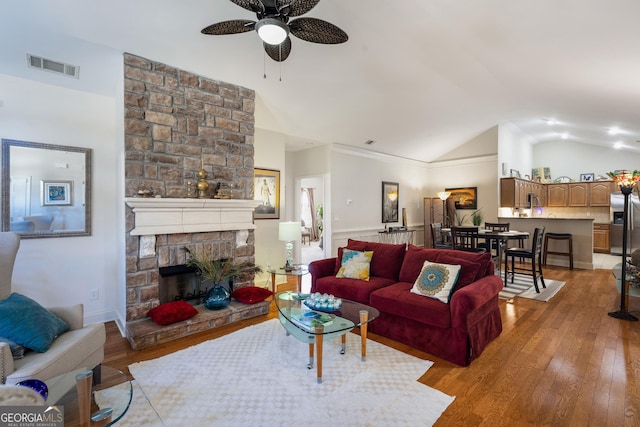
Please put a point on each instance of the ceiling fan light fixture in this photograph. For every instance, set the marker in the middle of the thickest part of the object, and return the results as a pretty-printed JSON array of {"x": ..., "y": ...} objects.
[{"x": 272, "y": 31}]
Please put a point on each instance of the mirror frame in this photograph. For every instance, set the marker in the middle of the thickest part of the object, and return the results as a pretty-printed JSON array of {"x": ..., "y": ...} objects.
[{"x": 6, "y": 179}]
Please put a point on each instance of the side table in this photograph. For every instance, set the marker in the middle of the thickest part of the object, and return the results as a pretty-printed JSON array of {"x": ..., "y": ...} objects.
[{"x": 297, "y": 272}]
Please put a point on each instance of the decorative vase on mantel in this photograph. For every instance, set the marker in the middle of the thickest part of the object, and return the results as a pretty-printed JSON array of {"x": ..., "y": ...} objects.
[{"x": 217, "y": 297}]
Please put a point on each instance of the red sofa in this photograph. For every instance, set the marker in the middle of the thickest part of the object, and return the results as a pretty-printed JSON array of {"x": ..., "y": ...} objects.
[{"x": 458, "y": 331}]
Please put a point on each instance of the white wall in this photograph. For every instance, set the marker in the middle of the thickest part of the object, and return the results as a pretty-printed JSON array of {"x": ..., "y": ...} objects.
[
  {"x": 59, "y": 271},
  {"x": 566, "y": 158},
  {"x": 269, "y": 154},
  {"x": 356, "y": 193},
  {"x": 514, "y": 150}
]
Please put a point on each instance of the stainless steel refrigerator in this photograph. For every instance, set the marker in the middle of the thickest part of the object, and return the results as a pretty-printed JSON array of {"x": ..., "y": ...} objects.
[{"x": 633, "y": 223}]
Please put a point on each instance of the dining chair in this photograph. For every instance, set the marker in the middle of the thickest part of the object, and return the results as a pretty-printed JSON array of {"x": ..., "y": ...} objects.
[
  {"x": 534, "y": 254},
  {"x": 495, "y": 226},
  {"x": 465, "y": 239},
  {"x": 437, "y": 237}
]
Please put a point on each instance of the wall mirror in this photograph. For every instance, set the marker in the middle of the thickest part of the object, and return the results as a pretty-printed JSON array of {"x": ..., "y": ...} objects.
[{"x": 46, "y": 189}]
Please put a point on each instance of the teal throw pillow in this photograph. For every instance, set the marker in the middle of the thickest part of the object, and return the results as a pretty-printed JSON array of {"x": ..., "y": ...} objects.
[
  {"x": 24, "y": 321},
  {"x": 436, "y": 280}
]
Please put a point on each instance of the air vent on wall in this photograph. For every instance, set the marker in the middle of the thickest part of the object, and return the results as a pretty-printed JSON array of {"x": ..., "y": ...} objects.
[{"x": 53, "y": 66}]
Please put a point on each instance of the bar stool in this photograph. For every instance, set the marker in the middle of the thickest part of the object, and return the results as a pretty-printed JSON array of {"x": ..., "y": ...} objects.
[{"x": 558, "y": 236}]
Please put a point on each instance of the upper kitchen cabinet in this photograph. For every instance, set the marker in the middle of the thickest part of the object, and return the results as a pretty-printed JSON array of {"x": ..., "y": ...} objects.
[
  {"x": 600, "y": 191},
  {"x": 557, "y": 195},
  {"x": 578, "y": 194},
  {"x": 515, "y": 193}
]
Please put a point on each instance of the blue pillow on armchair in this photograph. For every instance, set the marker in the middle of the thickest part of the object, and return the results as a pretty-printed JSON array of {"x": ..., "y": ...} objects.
[{"x": 26, "y": 322}]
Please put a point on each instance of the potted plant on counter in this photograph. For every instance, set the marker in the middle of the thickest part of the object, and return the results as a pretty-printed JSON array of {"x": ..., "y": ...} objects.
[{"x": 217, "y": 272}]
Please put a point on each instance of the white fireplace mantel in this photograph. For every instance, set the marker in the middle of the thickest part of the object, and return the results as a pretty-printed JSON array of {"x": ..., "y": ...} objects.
[{"x": 155, "y": 216}]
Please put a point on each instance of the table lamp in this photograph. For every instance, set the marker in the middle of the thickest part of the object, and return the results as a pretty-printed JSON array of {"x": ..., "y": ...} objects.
[
  {"x": 289, "y": 232},
  {"x": 444, "y": 195}
]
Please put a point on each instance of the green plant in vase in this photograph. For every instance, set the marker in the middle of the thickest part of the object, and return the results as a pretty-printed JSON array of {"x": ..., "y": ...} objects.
[
  {"x": 217, "y": 271},
  {"x": 477, "y": 217}
]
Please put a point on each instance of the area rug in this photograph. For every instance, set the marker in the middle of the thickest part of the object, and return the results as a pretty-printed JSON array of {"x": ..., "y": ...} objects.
[
  {"x": 522, "y": 287},
  {"x": 257, "y": 376}
]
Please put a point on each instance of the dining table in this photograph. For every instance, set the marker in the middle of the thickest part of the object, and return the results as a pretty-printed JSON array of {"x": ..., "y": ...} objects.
[{"x": 500, "y": 237}]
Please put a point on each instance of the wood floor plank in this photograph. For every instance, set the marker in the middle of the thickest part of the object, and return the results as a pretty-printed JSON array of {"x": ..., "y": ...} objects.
[{"x": 559, "y": 363}]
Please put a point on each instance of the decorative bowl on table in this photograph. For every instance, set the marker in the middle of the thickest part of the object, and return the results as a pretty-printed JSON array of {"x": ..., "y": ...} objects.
[{"x": 323, "y": 302}]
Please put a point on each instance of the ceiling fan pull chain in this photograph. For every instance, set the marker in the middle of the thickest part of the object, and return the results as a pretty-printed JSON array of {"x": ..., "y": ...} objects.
[
  {"x": 264, "y": 64},
  {"x": 280, "y": 62}
]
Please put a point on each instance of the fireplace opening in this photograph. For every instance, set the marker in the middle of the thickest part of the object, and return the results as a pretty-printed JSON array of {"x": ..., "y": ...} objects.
[{"x": 183, "y": 283}]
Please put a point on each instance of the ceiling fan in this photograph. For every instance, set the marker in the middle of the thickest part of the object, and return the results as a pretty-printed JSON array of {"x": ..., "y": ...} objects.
[{"x": 273, "y": 25}]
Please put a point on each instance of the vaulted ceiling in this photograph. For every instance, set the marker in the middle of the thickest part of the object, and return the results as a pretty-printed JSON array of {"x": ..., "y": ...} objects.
[{"x": 418, "y": 77}]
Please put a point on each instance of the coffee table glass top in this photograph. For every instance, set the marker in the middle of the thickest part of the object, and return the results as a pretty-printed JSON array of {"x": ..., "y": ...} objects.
[
  {"x": 346, "y": 318},
  {"x": 298, "y": 270}
]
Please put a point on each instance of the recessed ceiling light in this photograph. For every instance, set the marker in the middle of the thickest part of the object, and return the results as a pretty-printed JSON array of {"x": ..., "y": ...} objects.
[{"x": 613, "y": 131}]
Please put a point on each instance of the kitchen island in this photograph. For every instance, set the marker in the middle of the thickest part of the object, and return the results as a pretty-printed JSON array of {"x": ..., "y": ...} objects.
[{"x": 581, "y": 228}]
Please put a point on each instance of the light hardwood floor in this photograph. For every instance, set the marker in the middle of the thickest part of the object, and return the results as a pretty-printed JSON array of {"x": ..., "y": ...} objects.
[{"x": 560, "y": 363}]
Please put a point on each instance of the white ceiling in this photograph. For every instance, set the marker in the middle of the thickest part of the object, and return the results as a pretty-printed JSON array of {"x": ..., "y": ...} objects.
[{"x": 419, "y": 77}]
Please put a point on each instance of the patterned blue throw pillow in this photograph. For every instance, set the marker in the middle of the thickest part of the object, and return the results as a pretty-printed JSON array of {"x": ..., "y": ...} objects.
[{"x": 436, "y": 280}]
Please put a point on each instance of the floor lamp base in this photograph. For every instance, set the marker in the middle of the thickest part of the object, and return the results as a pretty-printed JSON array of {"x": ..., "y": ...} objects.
[{"x": 623, "y": 315}]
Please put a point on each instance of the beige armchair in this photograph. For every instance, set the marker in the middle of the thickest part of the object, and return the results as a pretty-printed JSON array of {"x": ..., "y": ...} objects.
[{"x": 80, "y": 347}]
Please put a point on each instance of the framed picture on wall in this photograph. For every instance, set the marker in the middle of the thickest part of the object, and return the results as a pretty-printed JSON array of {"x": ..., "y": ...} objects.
[
  {"x": 57, "y": 193},
  {"x": 465, "y": 197},
  {"x": 266, "y": 190},
  {"x": 390, "y": 201}
]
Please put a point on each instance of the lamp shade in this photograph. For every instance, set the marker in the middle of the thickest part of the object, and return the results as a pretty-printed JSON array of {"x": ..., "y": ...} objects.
[
  {"x": 444, "y": 195},
  {"x": 289, "y": 231},
  {"x": 272, "y": 31}
]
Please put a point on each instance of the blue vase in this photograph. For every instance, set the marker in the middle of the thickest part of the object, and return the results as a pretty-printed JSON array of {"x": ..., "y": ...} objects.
[
  {"x": 216, "y": 298},
  {"x": 36, "y": 385}
]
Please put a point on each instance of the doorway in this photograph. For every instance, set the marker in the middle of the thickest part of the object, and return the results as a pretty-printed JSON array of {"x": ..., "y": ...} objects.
[{"x": 311, "y": 216}]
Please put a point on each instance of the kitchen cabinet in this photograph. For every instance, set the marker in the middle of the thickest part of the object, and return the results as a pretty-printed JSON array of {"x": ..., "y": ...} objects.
[
  {"x": 601, "y": 238},
  {"x": 600, "y": 191},
  {"x": 578, "y": 194},
  {"x": 514, "y": 192},
  {"x": 557, "y": 195}
]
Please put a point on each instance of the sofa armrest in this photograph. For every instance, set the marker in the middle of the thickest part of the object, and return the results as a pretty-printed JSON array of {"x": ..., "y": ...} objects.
[
  {"x": 321, "y": 268},
  {"x": 6, "y": 362},
  {"x": 72, "y": 314},
  {"x": 472, "y": 297}
]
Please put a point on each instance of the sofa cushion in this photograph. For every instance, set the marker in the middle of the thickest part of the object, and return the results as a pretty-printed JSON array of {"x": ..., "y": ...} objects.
[
  {"x": 473, "y": 265},
  {"x": 251, "y": 294},
  {"x": 172, "y": 312},
  {"x": 397, "y": 299},
  {"x": 414, "y": 260},
  {"x": 482, "y": 260},
  {"x": 436, "y": 280},
  {"x": 387, "y": 258},
  {"x": 355, "y": 264},
  {"x": 352, "y": 289},
  {"x": 26, "y": 322}
]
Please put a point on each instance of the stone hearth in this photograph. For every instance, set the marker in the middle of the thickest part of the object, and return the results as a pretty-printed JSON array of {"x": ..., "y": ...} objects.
[{"x": 161, "y": 228}]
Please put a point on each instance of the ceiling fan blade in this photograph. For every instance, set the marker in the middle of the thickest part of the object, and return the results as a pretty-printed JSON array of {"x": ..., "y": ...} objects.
[
  {"x": 295, "y": 7},
  {"x": 230, "y": 27},
  {"x": 278, "y": 52},
  {"x": 252, "y": 5},
  {"x": 317, "y": 31}
]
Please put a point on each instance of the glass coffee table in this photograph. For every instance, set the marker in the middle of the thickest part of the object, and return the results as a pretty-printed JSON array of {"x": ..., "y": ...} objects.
[
  {"x": 350, "y": 315},
  {"x": 63, "y": 391}
]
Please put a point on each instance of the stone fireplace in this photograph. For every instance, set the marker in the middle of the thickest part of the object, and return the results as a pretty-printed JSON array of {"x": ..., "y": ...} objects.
[{"x": 177, "y": 123}]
